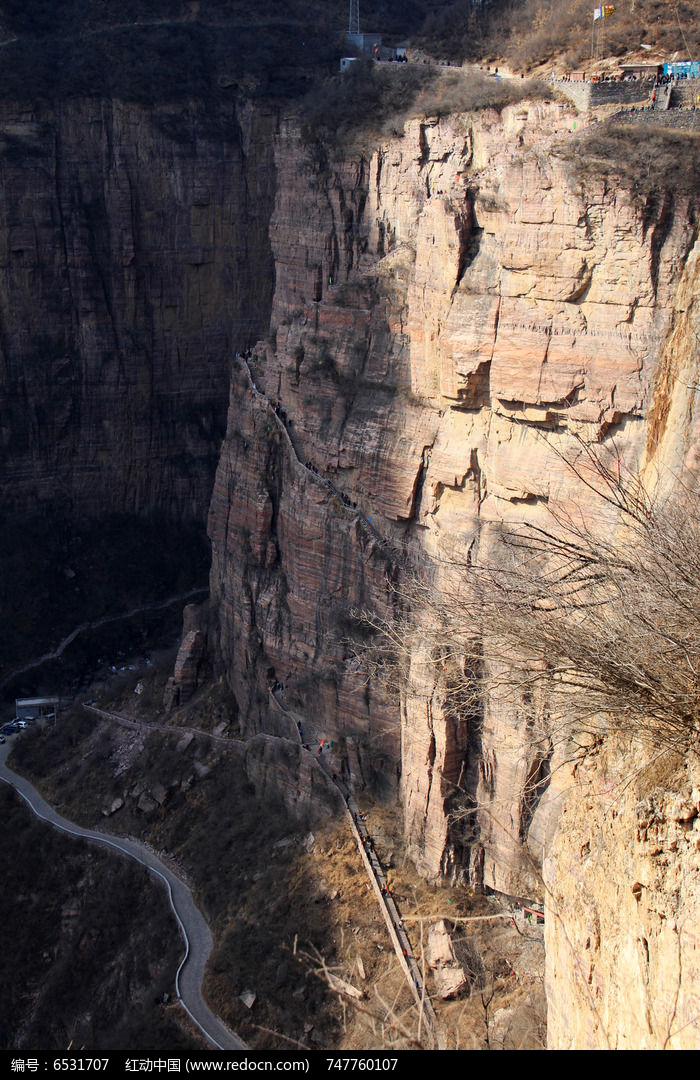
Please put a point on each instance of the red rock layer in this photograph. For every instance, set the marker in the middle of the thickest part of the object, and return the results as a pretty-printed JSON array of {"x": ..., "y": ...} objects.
[{"x": 437, "y": 308}]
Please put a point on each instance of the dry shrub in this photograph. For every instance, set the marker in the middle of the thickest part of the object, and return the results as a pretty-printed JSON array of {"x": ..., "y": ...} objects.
[
  {"x": 365, "y": 101},
  {"x": 459, "y": 92},
  {"x": 531, "y": 32},
  {"x": 372, "y": 101},
  {"x": 647, "y": 158},
  {"x": 585, "y": 623}
]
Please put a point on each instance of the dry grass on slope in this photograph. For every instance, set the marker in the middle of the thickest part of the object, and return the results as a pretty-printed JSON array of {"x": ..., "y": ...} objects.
[
  {"x": 374, "y": 101},
  {"x": 648, "y": 159},
  {"x": 527, "y": 33}
]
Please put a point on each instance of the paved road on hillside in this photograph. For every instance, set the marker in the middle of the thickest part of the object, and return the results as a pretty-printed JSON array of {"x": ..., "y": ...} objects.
[
  {"x": 397, "y": 933},
  {"x": 194, "y": 930}
]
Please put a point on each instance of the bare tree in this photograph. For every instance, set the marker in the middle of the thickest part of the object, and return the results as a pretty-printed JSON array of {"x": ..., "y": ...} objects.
[{"x": 592, "y": 622}]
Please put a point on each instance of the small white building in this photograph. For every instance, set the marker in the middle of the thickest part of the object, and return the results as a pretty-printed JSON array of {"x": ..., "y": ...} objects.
[{"x": 34, "y": 708}]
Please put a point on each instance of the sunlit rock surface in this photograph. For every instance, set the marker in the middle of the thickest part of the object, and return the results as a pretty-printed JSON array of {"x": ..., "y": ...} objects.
[{"x": 450, "y": 315}]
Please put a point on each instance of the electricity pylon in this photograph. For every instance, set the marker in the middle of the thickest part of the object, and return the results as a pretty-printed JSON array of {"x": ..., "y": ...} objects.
[{"x": 354, "y": 23}]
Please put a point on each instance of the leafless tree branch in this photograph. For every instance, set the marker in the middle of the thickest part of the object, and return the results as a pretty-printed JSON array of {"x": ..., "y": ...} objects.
[{"x": 600, "y": 622}]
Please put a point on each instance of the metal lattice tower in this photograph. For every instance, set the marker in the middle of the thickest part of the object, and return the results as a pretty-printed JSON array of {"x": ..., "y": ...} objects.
[{"x": 354, "y": 24}]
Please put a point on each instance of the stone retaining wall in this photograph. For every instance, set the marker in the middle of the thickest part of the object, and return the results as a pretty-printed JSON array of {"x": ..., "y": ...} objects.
[{"x": 587, "y": 95}]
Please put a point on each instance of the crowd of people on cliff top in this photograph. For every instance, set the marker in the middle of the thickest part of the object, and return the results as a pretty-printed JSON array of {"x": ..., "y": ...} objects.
[
  {"x": 633, "y": 76},
  {"x": 664, "y": 80}
]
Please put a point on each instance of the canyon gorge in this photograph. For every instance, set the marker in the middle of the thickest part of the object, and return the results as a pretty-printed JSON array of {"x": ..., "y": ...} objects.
[
  {"x": 437, "y": 324},
  {"x": 453, "y": 317}
]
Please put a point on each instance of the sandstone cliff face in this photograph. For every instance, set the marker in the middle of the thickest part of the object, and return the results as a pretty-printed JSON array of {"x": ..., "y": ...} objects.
[
  {"x": 621, "y": 877},
  {"x": 623, "y": 952},
  {"x": 437, "y": 308},
  {"x": 424, "y": 316},
  {"x": 133, "y": 255}
]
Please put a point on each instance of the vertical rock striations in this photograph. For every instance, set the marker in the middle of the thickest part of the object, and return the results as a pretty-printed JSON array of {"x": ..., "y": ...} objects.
[
  {"x": 438, "y": 324},
  {"x": 438, "y": 308},
  {"x": 134, "y": 253}
]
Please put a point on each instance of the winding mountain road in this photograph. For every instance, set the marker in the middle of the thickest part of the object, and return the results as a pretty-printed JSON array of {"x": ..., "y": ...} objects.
[
  {"x": 194, "y": 929},
  {"x": 375, "y": 872}
]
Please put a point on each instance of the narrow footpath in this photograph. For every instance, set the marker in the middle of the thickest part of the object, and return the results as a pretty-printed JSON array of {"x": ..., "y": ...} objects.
[
  {"x": 309, "y": 468},
  {"x": 378, "y": 880},
  {"x": 95, "y": 625},
  {"x": 392, "y": 917}
]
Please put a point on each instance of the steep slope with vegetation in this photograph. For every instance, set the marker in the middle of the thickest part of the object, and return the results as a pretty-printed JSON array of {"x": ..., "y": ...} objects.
[
  {"x": 91, "y": 948},
  {"x": 530, "y": 33}
]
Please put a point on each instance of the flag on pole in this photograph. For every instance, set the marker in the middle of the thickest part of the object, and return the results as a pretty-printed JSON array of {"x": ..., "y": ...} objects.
[{"x": 603, "y": 12}]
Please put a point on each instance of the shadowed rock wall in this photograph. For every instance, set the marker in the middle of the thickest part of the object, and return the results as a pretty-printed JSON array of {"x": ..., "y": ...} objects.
[
  {"x": 439, "y": 306},
  {"x": 134, "y": 253}
]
